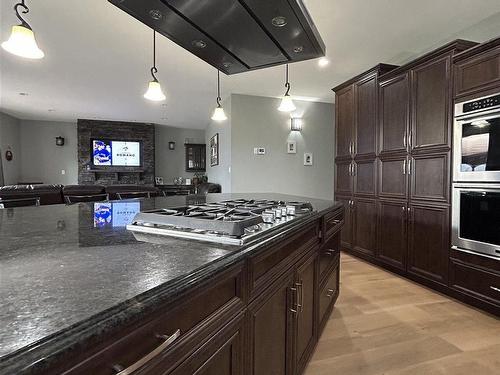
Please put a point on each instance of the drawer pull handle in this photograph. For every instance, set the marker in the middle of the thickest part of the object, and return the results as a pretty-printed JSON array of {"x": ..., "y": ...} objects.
[
  {"x": 148, "y": 357},
  {"x": 330, "y": 293},
  {"x": 300, "y": 294},
  {"x": 294, "y": 301},
  {"x": 495, "y": 289}
]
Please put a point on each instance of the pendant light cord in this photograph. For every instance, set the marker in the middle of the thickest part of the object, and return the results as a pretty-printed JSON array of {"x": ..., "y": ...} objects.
[
  {"x": 287, "y": 84},
  {"x": 218, "y": 89},
  {"x": 153, "y": 69},
  {"x": 24, "y": 11}
]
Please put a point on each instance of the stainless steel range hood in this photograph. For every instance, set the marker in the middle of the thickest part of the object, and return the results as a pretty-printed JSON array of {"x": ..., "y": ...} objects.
[{"x": 233, "y": 35}]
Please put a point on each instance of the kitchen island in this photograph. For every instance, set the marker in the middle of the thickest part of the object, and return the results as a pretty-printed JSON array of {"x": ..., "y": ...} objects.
[{"x": 80, "y": 294}]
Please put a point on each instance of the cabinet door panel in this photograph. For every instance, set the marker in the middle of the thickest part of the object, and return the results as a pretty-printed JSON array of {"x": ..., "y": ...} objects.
[
  {"x": 429, "y": 242},
  {"x": 430, "y": 177},
  {"x": 271, "y": 330},
  {"x": 344, "y": 179},
  {"x": 478, "y": 74},
  {"x": 344, "y": 121},
  {"x": 306, "y": 280},
  {"x": 364, "y": 177},
  {"x": 346, "y": 232},
  {"x": 392, "y": 238},
  {"x": 366, "y": 116},
  {"x": 393, "y": 178},
  {"x": 364, "y": 226},
  {"x": 394, "y": 112},
  {"x": 431, "y": 105}
]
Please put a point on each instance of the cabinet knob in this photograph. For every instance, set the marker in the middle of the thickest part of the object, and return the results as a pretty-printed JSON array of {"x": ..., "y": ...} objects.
[{"x": 330, "y": 293}]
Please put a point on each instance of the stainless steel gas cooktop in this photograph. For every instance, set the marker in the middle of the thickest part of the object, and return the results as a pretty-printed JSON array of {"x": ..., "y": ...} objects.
[{"x": 230, "y": 222}]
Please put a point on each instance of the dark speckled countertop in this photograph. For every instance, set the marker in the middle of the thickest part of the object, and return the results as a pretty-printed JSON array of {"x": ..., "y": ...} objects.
[{"x": 65, "y": 276}]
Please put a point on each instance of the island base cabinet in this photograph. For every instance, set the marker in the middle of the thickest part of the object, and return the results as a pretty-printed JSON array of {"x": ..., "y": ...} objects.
[
  {"x": 222, "y": 355},
  {"x": 306, "y": 322},
  {"x": 271, "y": 318},
  {"x": 328, "y": 293}
]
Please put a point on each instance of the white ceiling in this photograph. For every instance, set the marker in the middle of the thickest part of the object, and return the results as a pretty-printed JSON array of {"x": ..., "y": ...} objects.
[{"x": 98, "y": 58}]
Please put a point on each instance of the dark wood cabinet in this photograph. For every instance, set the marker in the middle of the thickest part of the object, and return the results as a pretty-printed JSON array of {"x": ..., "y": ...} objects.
[
  {"x": 306, "y": 323},
  {"x": 195, "y": 157},
  {"x": 429, "y": 241},
  {"x": 430, "y": 177},
  {"x": 328, "y": 294},
  {"x": 431, "y": 103},
  {"x": 271, "y": 329},
  {"x": 477, "y": 70},
  {"x": 344, "y": 177},
  {"x": 364, "y": 213},
  {"x": 392, "y": 233},
  {"x": 366, "y": 93},
  {"x": 223, "y": 354},
  {"x": 393, "y": 177},
  {"x": 344, "y": 116},
  {"x": 347, "y": 230},
  {"x": 364, "y": 173},
  {"x": 394, "y": 114}
]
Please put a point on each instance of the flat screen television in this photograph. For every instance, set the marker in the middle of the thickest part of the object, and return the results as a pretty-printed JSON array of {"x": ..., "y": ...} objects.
[{"x": 116, "y": 153}]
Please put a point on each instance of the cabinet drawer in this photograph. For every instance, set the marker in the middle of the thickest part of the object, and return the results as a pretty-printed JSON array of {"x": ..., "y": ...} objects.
[
  {"x": 196, "y": 316},
  {"x": 479, "y": 73},
  {"x": 272, "y": 262},
  {"x": 328, "y": 257},
  {"x": 332, "y": 224},
  {"x": 481, "y": 283},
  {"x": 328, "y": 295}
]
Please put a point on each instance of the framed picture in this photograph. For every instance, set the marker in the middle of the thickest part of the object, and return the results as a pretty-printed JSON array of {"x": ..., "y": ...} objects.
[
  {"x": 291, "y": 147},
  {"x": 214, "y": 150},
  {"x": 308, "y": 158}
]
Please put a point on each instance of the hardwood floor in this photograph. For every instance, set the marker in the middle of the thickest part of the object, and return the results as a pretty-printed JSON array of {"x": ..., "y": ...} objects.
[{"x": 384, "y": 324}]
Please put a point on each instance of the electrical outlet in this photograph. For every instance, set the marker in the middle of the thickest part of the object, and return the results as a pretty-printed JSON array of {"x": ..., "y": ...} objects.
[
  {"x": 63, "y": 171},
  {"x": 259, "y": 150}
]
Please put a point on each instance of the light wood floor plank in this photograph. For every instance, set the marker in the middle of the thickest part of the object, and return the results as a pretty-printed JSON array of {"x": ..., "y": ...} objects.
[{"x": 384, "y": 324}]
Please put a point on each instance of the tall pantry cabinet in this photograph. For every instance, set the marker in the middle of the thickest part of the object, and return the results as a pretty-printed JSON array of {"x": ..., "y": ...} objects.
[{"x": 393, "y": 134}]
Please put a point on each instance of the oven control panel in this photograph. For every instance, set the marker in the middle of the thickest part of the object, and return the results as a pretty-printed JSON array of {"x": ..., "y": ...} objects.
[{"x": 484, "y": 103}]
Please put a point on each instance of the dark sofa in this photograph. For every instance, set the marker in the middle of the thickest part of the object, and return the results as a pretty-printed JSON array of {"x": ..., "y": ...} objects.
[{"x": 48, "y": 194}]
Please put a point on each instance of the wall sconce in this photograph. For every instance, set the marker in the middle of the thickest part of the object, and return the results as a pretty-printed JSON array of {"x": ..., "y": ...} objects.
[
  {"x": 59, "y": 141},
  {"x": 171, "y": 145},
  {"x": 296, "y": 124}
]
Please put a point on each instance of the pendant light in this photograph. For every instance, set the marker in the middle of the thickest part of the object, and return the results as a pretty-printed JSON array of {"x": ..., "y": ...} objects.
[
  {"x": 287, "y": 102},
  {"x": 219, "y": 114},
  {"x": 22, "y": 39},
  {"x": 154, "y": 92}
]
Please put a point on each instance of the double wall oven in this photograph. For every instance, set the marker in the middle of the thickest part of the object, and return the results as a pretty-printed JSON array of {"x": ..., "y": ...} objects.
[{"x": 476, "y": 176}]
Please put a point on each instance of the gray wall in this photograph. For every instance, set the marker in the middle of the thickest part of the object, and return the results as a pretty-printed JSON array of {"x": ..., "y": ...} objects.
[
  {"x": 256, "y": 122},
  {"x": 221, "y": 174},
  {"x": 10, "y": 137},
  {"x": 171, "y": 163},
  {"x": 42, "y": 160}
]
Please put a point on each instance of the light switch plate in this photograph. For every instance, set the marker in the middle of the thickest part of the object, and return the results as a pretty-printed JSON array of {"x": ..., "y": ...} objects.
[{"x": 259, "y": 150}]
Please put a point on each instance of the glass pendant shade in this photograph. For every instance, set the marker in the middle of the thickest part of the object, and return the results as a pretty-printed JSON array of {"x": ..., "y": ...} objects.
[
  {"x": 22, "y": 43},
  {"x": 219, "y": 114},
  {"x": 287, "y": 104},
  {"x": 154, "y": 92}
]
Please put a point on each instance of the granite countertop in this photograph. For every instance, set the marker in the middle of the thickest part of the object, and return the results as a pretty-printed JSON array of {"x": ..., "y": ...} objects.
[{"x": 66, "y": 273}]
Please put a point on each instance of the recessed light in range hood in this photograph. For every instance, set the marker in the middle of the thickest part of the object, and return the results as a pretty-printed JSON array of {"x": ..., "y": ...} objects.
[{"x": 233, "y": 35}]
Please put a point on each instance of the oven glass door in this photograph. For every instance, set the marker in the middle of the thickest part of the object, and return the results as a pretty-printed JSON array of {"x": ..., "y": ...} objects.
[
  {"x": 480, "y": 146},
  {"x": 479, "y": 219}
]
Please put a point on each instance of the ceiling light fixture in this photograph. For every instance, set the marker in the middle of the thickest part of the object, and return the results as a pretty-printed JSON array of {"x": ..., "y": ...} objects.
[
  {"x": 287, "y": 102},
  {"x": 22, "y": 39},
  {"x": 219, "y": 114},
  {"x": 154, "y": 92},
  {"x": 322, "y": 62}
]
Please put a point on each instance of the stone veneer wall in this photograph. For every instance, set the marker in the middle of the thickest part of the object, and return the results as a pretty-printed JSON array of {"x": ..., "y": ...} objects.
[{"x": 116, "y": 130}]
